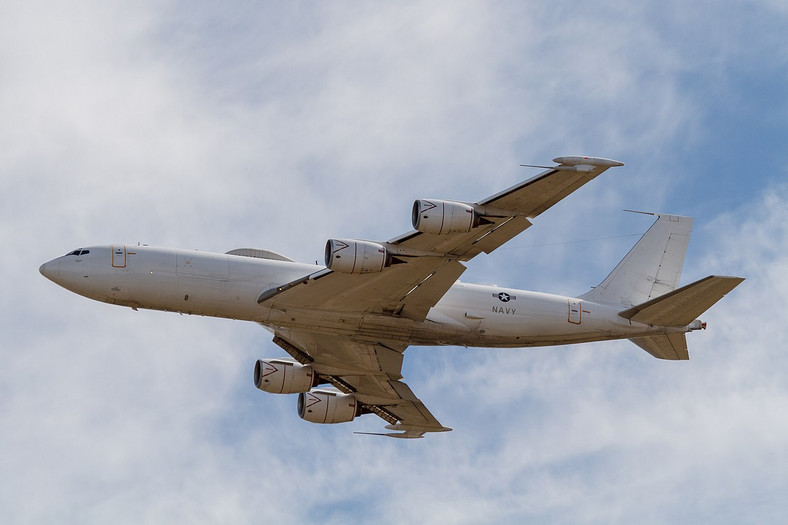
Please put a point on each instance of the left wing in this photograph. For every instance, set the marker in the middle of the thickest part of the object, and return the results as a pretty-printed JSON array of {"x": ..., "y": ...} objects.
[{"x": 370, "y": 371}]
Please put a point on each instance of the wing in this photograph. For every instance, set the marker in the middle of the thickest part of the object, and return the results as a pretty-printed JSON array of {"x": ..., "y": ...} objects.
[
  {"x": 507, "y": 212},
  {"x": 431, "y": 263},
  {"x": 370, "y": 371}
]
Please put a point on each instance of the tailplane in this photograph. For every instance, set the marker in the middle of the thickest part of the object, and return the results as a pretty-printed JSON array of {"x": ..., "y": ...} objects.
[
  {"x": 650, "y": 269},
  {"x": 666, "y": 346},
  {"x": 681, "y": 307},
  {"x": 678, "y": 309}
]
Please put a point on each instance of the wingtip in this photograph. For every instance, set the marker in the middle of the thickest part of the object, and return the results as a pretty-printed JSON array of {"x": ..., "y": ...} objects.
[
  {"x": 399, "y": 435},
  {"x": 576, "y": 160}
]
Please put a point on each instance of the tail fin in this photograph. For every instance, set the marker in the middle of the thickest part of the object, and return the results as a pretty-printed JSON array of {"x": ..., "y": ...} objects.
[{"x": 651, "y": 268}]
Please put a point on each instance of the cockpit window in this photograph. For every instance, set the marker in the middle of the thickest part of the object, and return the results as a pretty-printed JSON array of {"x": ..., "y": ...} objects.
[{"x": 78, "y": 252}]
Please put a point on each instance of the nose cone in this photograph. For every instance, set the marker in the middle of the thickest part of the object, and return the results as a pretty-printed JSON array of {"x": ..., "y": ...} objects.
[{"x": 51, "y": 270}]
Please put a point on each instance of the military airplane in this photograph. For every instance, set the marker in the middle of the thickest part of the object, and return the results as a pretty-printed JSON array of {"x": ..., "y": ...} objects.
[{"x": 346, "y": 325}]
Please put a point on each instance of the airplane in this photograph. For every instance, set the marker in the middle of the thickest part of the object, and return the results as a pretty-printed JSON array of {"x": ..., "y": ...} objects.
[{"x": 347, "y": 324}]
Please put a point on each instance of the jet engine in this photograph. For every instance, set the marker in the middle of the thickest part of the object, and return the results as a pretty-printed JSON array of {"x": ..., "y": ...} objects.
[
  {"x": 326, "y": 406},
  {"x": 349, "y": 256},
  {"x": 442, "y": 217},
  {"x": 281, "y": 376}
]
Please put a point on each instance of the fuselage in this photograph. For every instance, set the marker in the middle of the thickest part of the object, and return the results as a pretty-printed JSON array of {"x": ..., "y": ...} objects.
[{"x": 224, "y": 285}]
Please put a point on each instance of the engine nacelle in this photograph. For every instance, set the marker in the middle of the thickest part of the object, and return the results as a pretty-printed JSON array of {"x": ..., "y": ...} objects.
[
  {"x": 442, "y": 217},
  {"x": 349, "y": 256},
  {"x": 326, "y": 406},
  {"x": 281, "y": 376}
]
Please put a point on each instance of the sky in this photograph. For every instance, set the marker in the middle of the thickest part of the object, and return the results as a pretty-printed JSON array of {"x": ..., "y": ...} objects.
[{"x": 279, "y": 125}]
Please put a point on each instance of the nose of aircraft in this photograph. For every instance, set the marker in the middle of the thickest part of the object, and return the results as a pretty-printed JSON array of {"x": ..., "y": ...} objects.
[{"x": 51, "y": 269}]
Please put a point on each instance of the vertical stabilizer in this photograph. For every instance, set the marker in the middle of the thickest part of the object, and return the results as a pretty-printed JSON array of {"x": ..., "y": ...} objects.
[{"x": 651, "y": 268}]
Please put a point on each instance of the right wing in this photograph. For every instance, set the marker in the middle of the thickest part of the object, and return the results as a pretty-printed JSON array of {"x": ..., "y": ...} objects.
[{"x": 432, "y": 263}]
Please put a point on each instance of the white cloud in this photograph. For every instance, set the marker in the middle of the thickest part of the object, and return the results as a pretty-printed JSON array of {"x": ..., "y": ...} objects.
[{"x": 277, "y": 127}]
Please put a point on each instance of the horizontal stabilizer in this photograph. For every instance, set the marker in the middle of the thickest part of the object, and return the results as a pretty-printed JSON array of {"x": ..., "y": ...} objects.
[
  {"x": 667, "y": 346},
  {"x": 682, "y": 306}
]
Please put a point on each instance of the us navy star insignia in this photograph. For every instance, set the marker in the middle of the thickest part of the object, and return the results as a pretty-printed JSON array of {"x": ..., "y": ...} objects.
[{"x": 504, "y": 297}]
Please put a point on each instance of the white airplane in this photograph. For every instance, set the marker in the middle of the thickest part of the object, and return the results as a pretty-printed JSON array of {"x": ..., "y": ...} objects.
[{"x": 347, "y": 324}]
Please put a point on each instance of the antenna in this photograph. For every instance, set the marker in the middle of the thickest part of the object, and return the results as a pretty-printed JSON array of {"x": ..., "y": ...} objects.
[{"x": 537, "y": 166}]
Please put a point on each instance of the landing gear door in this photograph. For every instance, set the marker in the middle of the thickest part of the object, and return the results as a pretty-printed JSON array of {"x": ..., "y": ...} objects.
[{"x": 119, "y": 256}]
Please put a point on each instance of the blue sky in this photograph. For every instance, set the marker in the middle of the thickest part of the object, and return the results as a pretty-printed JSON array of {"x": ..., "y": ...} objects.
[{"x": 280, "y": 125}]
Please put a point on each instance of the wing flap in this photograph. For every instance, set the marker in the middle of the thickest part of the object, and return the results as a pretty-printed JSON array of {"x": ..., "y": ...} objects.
[
  {"x": 417, "y": 303},
  {"x": 398, "y": 400},
  {"x": 462, "y": 246},
  {"x": 411, "y": 412},
  {"x": 500, "y": 235}
]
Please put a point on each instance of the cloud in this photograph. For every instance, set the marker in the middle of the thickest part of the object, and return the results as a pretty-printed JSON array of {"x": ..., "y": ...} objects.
[{"x": 277, "y": 127}]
